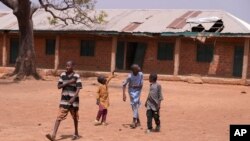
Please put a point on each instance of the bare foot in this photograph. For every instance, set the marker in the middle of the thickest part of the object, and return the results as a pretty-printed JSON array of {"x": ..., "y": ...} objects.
[
  {"x": 105, "y": 123},
  {"x": 97, "y": 123},
  {"x": 133, "y": 125},
  {"x": 75, "y": 137},
  {"x": 48, "y": 136}
]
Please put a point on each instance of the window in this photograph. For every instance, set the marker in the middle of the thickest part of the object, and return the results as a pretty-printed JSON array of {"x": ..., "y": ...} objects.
[
  {"x": 205, "y": 52},
  {"x": 87, "y": 48},
  {"x": 50, "y": 46},
  {"x": 165, "y": 51}
]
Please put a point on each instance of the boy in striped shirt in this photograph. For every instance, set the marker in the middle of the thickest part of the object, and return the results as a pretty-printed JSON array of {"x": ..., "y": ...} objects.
[{"x": 70, "y": 83}]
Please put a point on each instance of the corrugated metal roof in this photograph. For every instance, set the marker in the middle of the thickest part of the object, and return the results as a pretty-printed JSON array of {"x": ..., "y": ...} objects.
[{"x": 151, "y": 21}]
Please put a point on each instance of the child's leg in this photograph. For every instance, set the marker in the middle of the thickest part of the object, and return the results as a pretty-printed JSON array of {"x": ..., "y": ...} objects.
[
  {"x": 100, "y": 112},
  {"x": 74, "y": 113},
  {"x": 62, "y": 114},
  {"x": 57, "y": 124},
  {"x": 149, "y": 119},
  {"x": 157, "y": 118},
  {"x": 135, "y": 111},
  {"x": 104, "y": 115},
  {"x": 53, "y": 136},
  {"x": 138, "y": 122}
]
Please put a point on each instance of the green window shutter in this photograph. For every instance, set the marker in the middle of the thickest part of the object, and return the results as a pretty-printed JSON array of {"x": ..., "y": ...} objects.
[
  {"x": 165, "y": 51},
  {"x": 87, "y": 48},
  {"x": 50, "y": 47}
]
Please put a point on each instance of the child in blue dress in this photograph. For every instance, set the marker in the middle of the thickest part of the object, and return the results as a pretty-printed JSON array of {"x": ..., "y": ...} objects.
[{"x": 135, "y": 83}]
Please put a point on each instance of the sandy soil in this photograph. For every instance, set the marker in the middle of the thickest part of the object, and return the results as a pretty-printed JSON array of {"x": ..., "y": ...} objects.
[{"x": 190, "y": 112}]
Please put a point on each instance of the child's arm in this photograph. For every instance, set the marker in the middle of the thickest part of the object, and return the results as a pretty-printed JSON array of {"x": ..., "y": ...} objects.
[
  {"x": 110, "y": 77},
  {"x": 75, "y": 96},
  {"x": 98, "y": 96},
  {"x": 62, "y": 85},
  {"x": 124, "y": 92},
  {"x": 160, "y": 96},
  {"x": 78, "y": 82},
  {"x": 146, "y": 102},
  {"x": 124, "y": 87}
]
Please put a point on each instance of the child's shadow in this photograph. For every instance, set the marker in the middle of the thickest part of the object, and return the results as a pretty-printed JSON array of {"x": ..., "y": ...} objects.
[{"x": 64, "y": 137}]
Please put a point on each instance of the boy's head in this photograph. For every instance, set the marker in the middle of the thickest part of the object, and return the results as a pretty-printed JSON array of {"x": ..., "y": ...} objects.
[
  {"x": 70, "y": 66},
  {"x": 101, "y": 79},
  {"x": 135, "y": 69},
  {"x": 152, "y": 77}
]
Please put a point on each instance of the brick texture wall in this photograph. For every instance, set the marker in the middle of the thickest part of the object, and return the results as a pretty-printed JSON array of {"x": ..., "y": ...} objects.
[
  {"x": 152, "y": 64},
  {"x": 222, "y": 64},
  {"x": 43, "y": 60},
  {"x": 70, "y": 50}
]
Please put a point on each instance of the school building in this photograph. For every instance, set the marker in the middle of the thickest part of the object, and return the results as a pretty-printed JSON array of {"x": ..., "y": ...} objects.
[{"x": 175, "y": 42}]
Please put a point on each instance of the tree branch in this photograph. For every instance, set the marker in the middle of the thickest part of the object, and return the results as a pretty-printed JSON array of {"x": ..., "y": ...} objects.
[
  {"x": 70, "y": 11},
  {"x": 33, "y": 9},
  {"x": 12, "y": 4}
]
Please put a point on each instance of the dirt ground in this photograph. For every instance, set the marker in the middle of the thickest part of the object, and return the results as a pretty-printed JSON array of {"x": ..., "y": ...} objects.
[{"x": 190, "y": 112}]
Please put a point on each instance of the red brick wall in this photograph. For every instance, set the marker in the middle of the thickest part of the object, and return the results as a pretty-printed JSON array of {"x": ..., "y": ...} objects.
[
  {"x": 223, "y": 59},
  {"x": 222, "y": 64},
  {"x": 188, "y": 63},
  {"x": 70, "y": 50},
  {"x": 151, "y": 64},
  {"x": 43, "y": 60}
]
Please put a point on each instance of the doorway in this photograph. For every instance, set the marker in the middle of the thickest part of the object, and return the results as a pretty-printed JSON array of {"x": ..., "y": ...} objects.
[
  {"x": 14, "y": 49},
  {"x": 238, "y": 61},
  {"x": 129, "y": 53}
]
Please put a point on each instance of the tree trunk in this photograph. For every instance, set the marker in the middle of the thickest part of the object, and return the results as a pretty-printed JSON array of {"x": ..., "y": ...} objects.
[{"x": 25, "y": 62}]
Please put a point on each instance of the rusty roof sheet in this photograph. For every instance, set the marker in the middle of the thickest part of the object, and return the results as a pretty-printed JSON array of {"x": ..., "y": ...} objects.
[{"x": 134, "y": 21}]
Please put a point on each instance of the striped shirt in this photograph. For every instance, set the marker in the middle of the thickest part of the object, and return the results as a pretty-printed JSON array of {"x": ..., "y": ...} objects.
[{"x": 69, "y": 91}]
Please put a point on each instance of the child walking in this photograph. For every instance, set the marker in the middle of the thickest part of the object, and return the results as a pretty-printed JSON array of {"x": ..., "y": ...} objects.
[
  {"x": 102, "y": 99},
  {"x": 153, "y": 103},
  {"x": 135, "y": 83},
  {"x": 70, "y": 83}
]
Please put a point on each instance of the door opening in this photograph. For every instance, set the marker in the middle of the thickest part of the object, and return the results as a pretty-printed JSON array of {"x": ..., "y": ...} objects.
[
  {"x": 129, "y": 53},
  {"x": 14, "y": 49},
  {"x": 238, "y": 61}
]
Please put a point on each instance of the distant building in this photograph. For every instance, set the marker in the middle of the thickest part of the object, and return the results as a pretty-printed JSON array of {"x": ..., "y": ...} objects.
[{"x": 175, "y": 42}]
